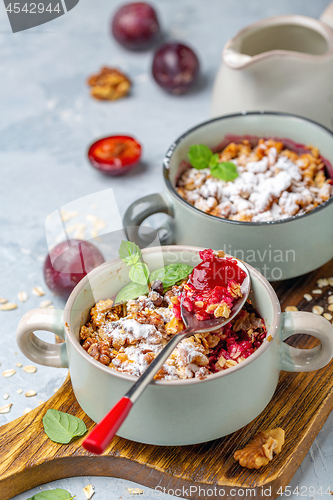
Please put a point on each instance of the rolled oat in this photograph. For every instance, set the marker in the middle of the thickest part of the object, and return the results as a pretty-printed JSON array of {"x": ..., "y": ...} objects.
[
  {"x": 6, "y": 408},
  {"x": 30, "y": 369},
  {"x": 8, "y": 306},
  {"x": 23, "y": 296},
  {"x": 291, "y": 308},
  {"x": 318, "y": 310},
  {"x": 30, "y": 394}
]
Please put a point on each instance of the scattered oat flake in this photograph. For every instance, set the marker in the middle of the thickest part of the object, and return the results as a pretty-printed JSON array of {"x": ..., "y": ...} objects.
[
  {"x": 269, "y": 338},
  {"x": 330, "y": 307},
  {"x": 6, "y": 408},
  {"x": 330, "y": 281},
  {"x": 135, "y": 491},
  {"x": 45, "y": 303},
  {"x": 291, "y": 308},
  {"x": 38, "y": 291},
  {"x": 317, "y": 310},
  {"x": 9, "y": 306},
  {"x": 19, "y": 365},
  {"x": 88, "y": 491},
  {"x": 322, "y": 282},
  {"x": 3, "y": 301},
  {"x": 30, "y": 369},
  {"x": 317, "y": 291},
  {"x": 19, "y": 391},
  {"x": 30, "y": 394},
  {"x": 330, "y": 299},
  {"x": 328, "y": 316},
  {"x": 6, "y": 396},
  {"x": 307, "y": 297},
  {"x": 9, "y": 373},
  {"x": 23, "y": 296},
  {"x": 41, "y": 402},
  {"x": 26, "y": 410}
]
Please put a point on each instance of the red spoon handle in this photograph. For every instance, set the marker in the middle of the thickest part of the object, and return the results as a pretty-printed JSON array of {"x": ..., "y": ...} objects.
[{"x": 101, "y": 435}]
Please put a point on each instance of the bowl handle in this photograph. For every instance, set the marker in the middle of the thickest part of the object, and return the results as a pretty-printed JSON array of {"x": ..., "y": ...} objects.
[
  {"x": 38, "y": 351},
  {"x": 306, "y": 360},
  {"x": 142, "y": 208}
]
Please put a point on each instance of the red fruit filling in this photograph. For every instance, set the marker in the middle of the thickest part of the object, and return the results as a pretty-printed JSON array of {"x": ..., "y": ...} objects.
[
  {"x": 212, "y": 288},
  {"x": 115, "y": 155}
]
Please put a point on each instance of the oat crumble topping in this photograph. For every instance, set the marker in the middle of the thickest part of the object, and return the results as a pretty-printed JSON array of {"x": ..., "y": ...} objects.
[
  {"x": 128, "y": 338},
  {"x": 273, "y": 183}
]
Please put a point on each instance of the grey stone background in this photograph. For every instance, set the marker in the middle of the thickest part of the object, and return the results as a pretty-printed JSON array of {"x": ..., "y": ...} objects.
[{"x": 47, "y": 120}]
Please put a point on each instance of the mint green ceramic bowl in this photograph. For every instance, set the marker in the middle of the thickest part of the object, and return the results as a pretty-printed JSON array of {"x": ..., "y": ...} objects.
[
  {"x": 177, "y": 412},
  {"x": 279, "y": 249}
]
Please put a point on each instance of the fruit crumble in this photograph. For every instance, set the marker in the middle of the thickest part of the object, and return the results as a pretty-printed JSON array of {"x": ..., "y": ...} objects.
[
  {"x": 128, "y": 337},
  {"x": 273, "y": 183}
]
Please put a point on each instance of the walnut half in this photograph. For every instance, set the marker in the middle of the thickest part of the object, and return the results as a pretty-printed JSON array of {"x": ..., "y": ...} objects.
[
  {"x": 110, "y": 84},
  {"x": 260, "y": 449}
]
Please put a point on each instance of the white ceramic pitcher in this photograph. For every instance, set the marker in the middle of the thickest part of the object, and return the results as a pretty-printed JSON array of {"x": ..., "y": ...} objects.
[{"x": 283, "y": 63}]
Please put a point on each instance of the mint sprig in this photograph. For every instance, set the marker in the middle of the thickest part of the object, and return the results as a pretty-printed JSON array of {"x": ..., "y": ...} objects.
[
  {"x": 61, "y": 427},
  {"x": 140, "y": 275},
  {"x": 131, "y": 291},
  {"x": 129, "y": 252},
  {"x": 171, "y": 274},
  {"x": 57, "y": 494},
  {"x": 202, "y": 156},
  {"x": 226, "y": 171},
  {"x": 199, "y": 156}
]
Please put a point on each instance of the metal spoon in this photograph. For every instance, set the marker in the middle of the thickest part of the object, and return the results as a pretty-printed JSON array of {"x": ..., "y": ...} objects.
[{"x": 101, "y": 435}]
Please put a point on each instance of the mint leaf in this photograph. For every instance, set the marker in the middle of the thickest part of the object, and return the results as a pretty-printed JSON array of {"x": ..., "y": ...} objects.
[
  {"x": 57, "y": 494},
  {"x": 129, "y": 252},
  {"x": 214, "y": 160},
  {"x": 225, "y": 170},
  {"x": 131, "y": 291},
  {"x": 199, "y": 156},
  {"x": 171, "y": 274},
  {"x": 61, "y": 427},
  {"x": 139, "y": 273}
]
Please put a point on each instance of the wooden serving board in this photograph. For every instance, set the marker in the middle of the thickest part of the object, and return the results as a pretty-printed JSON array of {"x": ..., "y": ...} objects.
[{"x": 301, "y": 404}]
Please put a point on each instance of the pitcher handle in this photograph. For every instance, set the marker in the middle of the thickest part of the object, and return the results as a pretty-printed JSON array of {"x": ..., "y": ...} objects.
[{"x": 327, "y": 15}]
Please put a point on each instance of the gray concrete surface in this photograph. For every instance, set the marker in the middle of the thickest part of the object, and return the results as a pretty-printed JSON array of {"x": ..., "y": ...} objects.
[{"x": 47, "y": 120}]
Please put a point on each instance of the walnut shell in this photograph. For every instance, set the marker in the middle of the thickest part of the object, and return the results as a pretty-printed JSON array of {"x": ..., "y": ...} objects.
[{"x": 259, "y": 451}]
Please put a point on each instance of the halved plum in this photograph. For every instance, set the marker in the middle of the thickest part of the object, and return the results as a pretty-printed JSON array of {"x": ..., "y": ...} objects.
[{"x": 115, "y": 155}]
